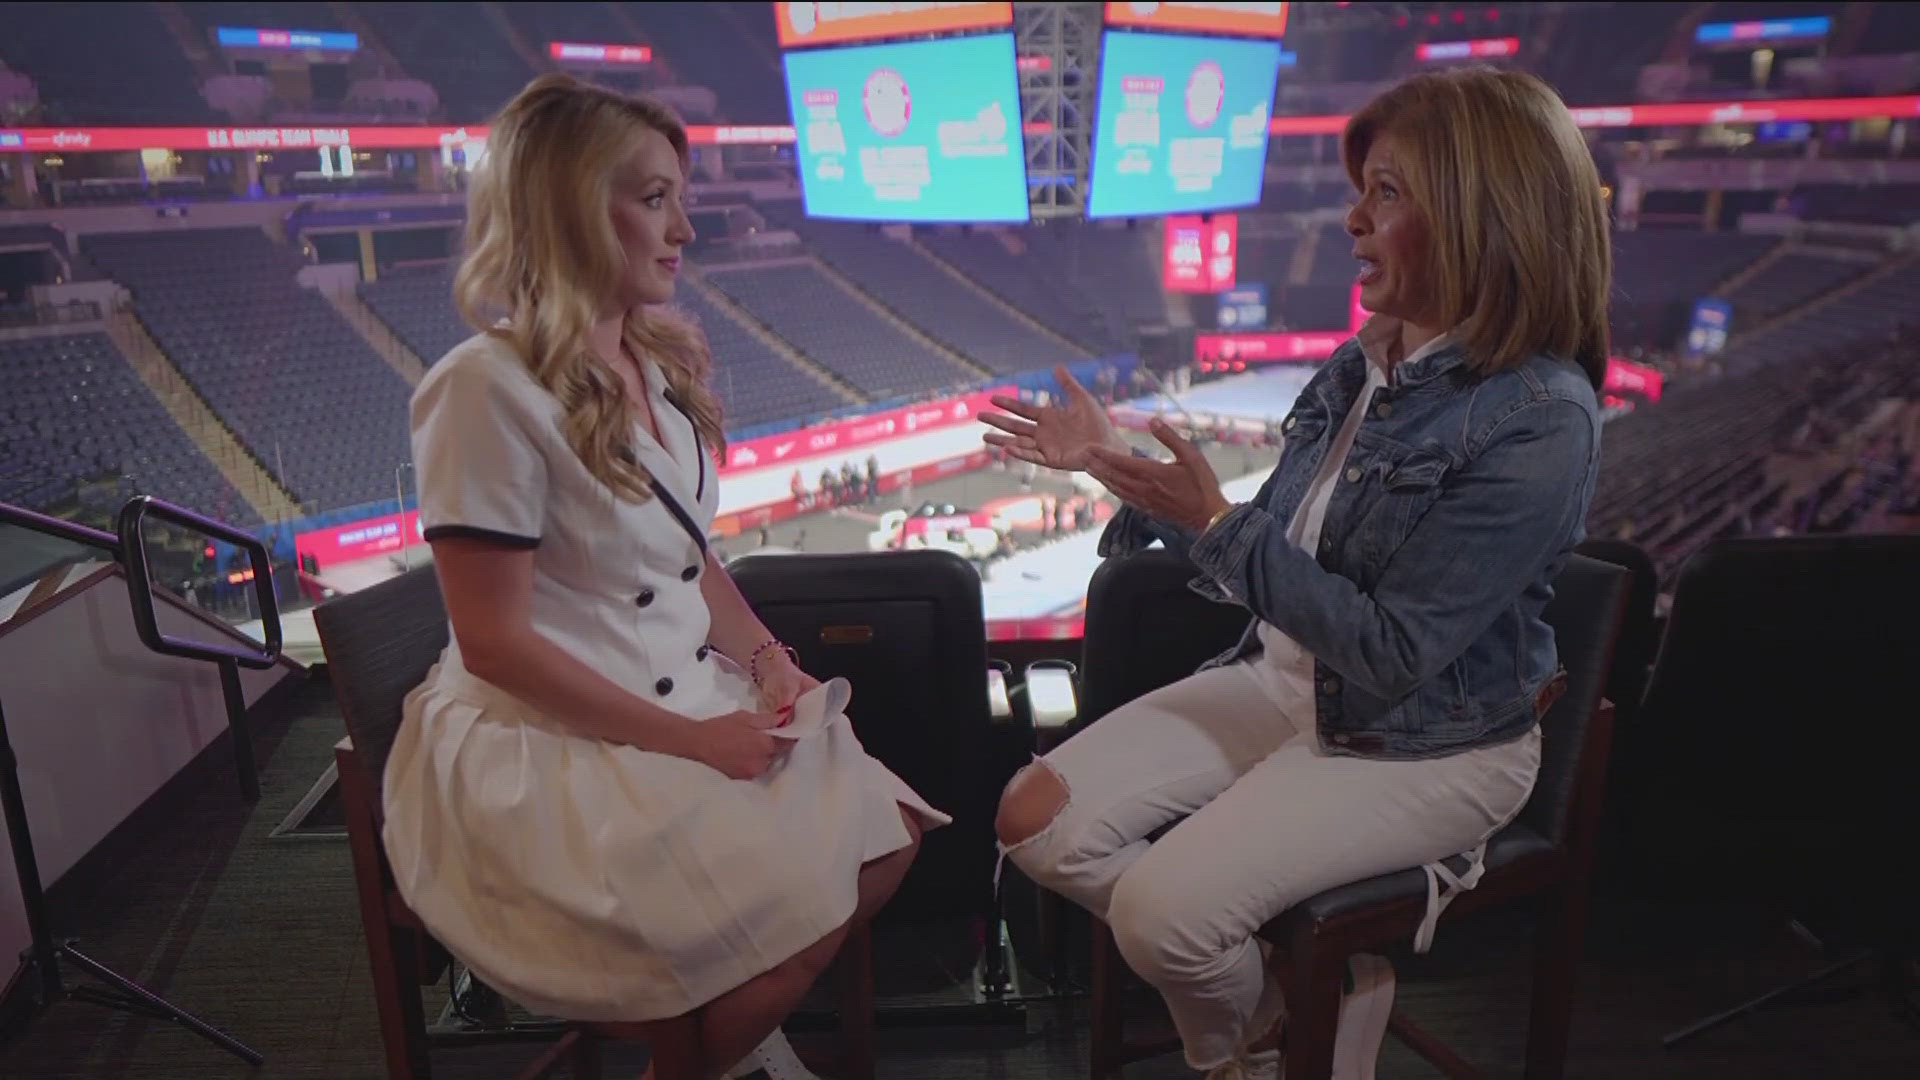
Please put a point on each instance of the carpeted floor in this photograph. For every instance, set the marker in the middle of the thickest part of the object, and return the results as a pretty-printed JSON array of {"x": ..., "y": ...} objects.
[{"x": 262, "y": 937}]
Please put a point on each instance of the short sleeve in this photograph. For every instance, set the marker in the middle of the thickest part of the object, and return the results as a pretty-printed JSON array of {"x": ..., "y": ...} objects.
[{"x": 478, "y": 436}]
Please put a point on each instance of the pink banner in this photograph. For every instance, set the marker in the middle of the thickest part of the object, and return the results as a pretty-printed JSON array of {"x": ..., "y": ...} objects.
[
  {"x": 361, "y": 539},
  {"x": 600, "y": 54},
  {"x": 1267, "y": 348},
  {"x": 1038, "y": 628},
  {"x": 1633, "y": 378},
  {"x": 840, "y": 436},
  {"x": 79, "y": 139},
  {"x": 1462, "y": 50},
  {"x": 1200, "y": 252},
  {"x": 761, "y": 516},
  {"x": 1689, "y": 113}
]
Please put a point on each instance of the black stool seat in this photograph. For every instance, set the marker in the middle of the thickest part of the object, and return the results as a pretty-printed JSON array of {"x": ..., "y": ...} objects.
[{"x": 1509, "y": 848}]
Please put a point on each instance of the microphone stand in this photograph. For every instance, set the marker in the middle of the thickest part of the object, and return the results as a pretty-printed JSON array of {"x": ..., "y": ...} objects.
[{"x": 42, "y": 959}]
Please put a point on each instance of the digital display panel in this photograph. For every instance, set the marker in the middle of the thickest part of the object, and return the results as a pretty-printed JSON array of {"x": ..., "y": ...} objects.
[
  {"x": 1181, "y": 125},
  {"x": 910, "y": 131}
]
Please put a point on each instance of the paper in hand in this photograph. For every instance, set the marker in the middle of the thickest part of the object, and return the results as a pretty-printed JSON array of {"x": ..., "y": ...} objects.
[{"x": 814, "y": 710}]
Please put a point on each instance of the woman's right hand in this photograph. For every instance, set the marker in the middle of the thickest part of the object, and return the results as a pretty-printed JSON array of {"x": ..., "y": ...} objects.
[
  {"x": 1056, "y": 436},
  {"x": 737, "y": 744}
]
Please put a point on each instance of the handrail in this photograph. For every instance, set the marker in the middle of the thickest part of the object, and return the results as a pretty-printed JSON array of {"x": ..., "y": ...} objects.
[
  {"x": 140, "y": 582},
  {"x": 64, "y": 530},
  {"x": 130, "y": 553}
]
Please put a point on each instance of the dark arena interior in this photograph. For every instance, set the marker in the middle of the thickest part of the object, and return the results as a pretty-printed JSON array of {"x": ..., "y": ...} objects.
[{"x": 229, "y": 238}]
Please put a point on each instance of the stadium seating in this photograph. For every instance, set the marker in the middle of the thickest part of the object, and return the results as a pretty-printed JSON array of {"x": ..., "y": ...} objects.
[
  {"x": 262, "y": 14},
  {"x": 1680, "y": 473},
  {"x": 322, "y": 411},
  {"x": 1659, "y": 273},
  {"x": 917, "y": 290},
  {"x": 756, "y": 385},
  {"x": 71, "y": 410},
  {"x": 835, "y": 330},
  {"x": 1028, "y": 281},
  {"x": 732, "y": 53},
  {"x": 474, "y": 73},
  {"x": 1265, "y": 257},
  {"x": 1788, "y": 282},
  {"x": 1596, "y": 52},
  {"x": 1112, "y": 268},
  {"x": 417, "y": 305},
  {"x": 1314, "y": 306},
  {"x": 1881, "y": 204},
  {"x": 578, "y": 23},
  {"x": 1333, "y": 262},
  {"x": 129, "y": 74},
  {"x": 1891, "y": 28}
]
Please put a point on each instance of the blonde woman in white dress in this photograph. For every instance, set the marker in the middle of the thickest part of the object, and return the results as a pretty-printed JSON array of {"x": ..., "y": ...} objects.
[{"x": 584, "y": 802}]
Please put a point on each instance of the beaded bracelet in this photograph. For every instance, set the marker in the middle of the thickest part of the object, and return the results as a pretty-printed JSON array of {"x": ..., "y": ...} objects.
[{"x": 753, "y": 662}]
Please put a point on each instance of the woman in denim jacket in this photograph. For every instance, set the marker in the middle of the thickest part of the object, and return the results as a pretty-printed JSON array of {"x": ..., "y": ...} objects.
[{"x": 1381, "y": 710}]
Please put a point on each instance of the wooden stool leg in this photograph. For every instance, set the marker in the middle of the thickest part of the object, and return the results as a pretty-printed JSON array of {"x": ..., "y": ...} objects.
[
  {"x": 675, "y": 1050},
  {"x": 1313, "y": 1010},
  {"x": 854, "y": 976},
  {"x": 587, "y": 1063},
  {"x": 1109, "y": 975},
  {"x": 566, "y": 1048}
]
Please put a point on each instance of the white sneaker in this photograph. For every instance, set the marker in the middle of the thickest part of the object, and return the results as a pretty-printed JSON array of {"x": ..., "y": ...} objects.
[
  {"x": 1364, "y": 1008},
  {"x": 775, "y": 1057},
  {"x": 1250, "y": 1065}
]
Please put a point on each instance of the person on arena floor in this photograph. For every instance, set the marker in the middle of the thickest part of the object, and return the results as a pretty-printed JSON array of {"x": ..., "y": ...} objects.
[
  {"x": 584, "y": 802},
  {"x": 1381, "y": 710}
]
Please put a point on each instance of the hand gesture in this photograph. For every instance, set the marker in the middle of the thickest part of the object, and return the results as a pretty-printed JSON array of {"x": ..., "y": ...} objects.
[
  {"x": 1183, "y": 491},
  {"x": 1057, "y": 436},
  {"x": 737, "y": 744}
]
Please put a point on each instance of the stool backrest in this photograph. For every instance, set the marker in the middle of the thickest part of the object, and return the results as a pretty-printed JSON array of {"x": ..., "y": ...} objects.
[
  {"x": 1783, "y": 689},
  {"x": 1147, "y": 629},
  {"x": 1633, "y": 656},
  {"x": 380, "y": 643},
  {"x": 907, "y": 630},
  {"x": 1588, "y": 605}
]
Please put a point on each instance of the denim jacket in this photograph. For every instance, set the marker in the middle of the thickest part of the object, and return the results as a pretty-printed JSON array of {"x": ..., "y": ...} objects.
[{"x": 1457, "y": 507}]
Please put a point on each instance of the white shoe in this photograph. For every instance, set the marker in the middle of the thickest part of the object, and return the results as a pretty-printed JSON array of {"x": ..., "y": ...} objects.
[
  {"x": 1364, "y": 1009},
  {"x": 1250, "y": 1065},
  {"x": 775, "y": 1057}
]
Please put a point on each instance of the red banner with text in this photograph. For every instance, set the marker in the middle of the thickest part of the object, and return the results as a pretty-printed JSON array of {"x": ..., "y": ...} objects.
[
  {"x": 363, "y": 539},
  {"x": 840, "y": 436}
]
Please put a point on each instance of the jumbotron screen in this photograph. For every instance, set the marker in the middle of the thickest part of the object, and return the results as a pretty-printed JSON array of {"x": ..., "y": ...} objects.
[
  {"x": 910, "y": 131},
  {"x": 1181, "y": 125}
]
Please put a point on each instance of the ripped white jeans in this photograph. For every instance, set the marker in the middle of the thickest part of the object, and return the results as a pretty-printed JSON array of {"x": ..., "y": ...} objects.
[{"x": 1269, "y": 821}]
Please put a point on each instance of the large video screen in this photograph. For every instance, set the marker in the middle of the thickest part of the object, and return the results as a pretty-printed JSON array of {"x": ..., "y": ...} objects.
[
  {"x": 810, "y": 23},
  {"x": 911, "y": 131},
  {"x": 1181, "y": 125}
]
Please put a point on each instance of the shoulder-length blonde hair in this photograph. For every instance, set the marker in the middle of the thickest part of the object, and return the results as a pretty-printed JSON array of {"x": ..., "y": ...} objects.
[
  {"x": 541, "y": 259},
  {"x": 1520, "y": 255}
]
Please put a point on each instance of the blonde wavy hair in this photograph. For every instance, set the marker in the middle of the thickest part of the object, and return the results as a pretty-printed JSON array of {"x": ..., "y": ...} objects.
[
  {"x": 541, "y": 256},
  {"x": 1521, "y": 256}
]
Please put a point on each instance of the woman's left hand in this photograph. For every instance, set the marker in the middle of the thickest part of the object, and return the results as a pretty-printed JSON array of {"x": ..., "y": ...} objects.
[
  {"x": 1183, "y": 491},
  {"x": 781, "y": 681}
]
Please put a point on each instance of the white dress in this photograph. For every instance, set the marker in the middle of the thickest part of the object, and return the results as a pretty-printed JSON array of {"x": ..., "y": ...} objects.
[{"x": 581, "y": 878}]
